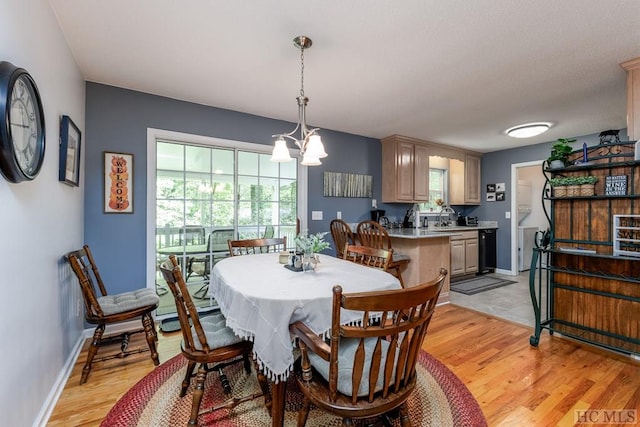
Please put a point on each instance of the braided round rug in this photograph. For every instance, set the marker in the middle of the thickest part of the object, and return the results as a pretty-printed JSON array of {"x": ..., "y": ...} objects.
[{"x": 440, "y": 399}]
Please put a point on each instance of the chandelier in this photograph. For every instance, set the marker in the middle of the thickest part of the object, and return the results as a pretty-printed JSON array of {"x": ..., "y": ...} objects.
[{"x": 309, "y": 142}]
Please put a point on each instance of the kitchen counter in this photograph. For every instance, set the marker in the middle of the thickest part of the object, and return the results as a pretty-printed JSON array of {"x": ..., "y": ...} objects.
[
  {"x": 421, "y": 233},
  {"x": 431, "y": 232}
]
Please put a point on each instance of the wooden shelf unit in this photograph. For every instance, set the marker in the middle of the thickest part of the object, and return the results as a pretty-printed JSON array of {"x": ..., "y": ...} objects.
[{"x": 580, "y": 285}]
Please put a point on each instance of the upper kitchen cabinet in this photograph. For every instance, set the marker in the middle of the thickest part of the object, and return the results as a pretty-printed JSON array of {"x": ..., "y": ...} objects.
[
  {"x": 633, "y": 98},
  {"x": 471, "y": 179},
  {"x": 405, "y": 171},
  {"x": 464, "y": 180}
]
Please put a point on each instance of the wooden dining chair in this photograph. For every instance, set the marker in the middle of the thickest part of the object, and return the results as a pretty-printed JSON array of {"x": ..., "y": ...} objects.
[
  {"x": 257, "y": 246},
  {"x": 367, "y": 368},
  {"x": 104, "y": 309},
  {"x": 208, "y": 343},
  {"x": 342, "y": 235},
  {"x": 374, "y": 235},
  {"x": 371, "y": 257}
]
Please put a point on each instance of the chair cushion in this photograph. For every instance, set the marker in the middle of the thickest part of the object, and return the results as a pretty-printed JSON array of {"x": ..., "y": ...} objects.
[
  {"x": 126, "y": 301},
  {"x": 346, "y": 355},
  {"x": 217, "y": 333},
  {"x": 400, "y": 257}
]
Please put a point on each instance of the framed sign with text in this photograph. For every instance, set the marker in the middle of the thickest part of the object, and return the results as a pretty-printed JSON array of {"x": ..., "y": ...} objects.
[
  {"x": 118, "y": 183},
  {"x": 615, "y": 185}
]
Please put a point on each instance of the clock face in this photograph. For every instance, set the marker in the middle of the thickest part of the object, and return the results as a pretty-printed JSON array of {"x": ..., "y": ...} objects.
[{"x": 22, "y": 126}]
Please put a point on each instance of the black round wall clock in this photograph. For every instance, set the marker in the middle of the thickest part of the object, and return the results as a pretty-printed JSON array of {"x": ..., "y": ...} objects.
[{"x": 21, "y": 124}]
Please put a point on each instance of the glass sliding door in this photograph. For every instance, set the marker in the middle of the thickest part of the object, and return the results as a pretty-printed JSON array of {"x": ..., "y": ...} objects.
[
  {"x": 266, "y": 197},
  {"x": 208, "y": 194}
]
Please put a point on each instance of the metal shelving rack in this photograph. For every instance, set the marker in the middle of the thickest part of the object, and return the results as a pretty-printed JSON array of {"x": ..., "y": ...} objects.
[{"x": 583, "y": 291}]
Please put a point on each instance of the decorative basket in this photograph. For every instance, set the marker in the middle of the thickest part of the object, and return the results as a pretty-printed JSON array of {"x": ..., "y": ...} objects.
[
  {"x": 588, "y": 190},
  {"x": 573, "y": 190},
  {"x": 560, "y": 191}
]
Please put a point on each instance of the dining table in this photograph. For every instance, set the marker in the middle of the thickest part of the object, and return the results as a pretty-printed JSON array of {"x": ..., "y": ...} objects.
[{"x": 260, "y": 298}]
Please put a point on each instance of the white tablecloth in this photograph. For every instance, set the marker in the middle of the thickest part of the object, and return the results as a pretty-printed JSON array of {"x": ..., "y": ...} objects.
[{"x": 260, "y": 298}]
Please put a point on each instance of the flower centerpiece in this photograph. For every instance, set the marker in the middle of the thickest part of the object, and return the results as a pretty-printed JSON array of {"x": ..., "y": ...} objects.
[{"x": 311, "y": 245}]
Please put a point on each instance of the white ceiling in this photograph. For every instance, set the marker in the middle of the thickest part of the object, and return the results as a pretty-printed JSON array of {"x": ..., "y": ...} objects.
[{"x": 457, "y": 72}]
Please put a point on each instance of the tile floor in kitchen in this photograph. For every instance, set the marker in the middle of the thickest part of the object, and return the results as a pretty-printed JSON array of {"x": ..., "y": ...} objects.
[{"x": 511, "y": 302}]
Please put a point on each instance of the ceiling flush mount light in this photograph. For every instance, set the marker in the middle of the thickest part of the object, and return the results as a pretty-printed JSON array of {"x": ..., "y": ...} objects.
[
  {"x": 529, "y": 130},
  {"x": 309, "y": 142}
]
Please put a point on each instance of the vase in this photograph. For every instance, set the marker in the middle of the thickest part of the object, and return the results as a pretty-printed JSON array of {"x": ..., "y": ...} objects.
[
  {"x": 556, "y": 164},
  {"x": 309, "y": 261}
]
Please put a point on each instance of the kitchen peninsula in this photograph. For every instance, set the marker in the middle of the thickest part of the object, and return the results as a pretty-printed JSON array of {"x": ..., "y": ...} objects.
[
  {"x": 428, "y": 250},
  {"x": 432, "y": 248}
]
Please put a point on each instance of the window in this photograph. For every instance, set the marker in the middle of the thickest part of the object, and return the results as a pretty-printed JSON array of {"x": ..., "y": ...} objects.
[
  {"x": 204, "y": 191},
  {"x": 437, "y": 190}
]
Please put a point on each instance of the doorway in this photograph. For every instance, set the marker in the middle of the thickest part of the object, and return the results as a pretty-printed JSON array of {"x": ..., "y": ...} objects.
[{"x": 527, "y": 183}]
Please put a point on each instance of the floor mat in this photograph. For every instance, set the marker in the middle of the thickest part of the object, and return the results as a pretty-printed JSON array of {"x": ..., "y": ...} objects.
[{"x": 479, "y": 284}]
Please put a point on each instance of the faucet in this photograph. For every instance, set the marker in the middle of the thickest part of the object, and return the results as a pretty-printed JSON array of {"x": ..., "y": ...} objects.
[{"x": 445, "y": 210}]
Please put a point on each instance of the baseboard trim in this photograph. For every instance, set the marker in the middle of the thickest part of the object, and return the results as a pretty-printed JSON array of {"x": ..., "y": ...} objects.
[
  {"x": 58, "y": 386},
  {"x": 505, "y": 272}
]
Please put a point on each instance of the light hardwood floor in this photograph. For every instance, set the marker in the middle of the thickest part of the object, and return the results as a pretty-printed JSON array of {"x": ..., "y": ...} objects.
[{"x": 514, "y": 383}]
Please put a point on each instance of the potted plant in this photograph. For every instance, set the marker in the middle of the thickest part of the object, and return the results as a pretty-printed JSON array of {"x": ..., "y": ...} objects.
[
  {"x": 559, "y": 187},
  {"x": 311, "y": 245},
  {"x": 560, "y": 150},
  {"x": 588, "y": 185},
  {"x": 573, "y": 186}
]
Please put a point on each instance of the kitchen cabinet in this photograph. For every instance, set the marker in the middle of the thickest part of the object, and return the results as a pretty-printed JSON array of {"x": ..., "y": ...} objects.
[
  {"x": 586, "y": 284},
  {"x": 405, "y": 171},
  {"x": 472, "y": 179},
  {"x": 464, "y": 181},
  {"x": 633, "y": 98},
  {"x": 464, "y": 253}
]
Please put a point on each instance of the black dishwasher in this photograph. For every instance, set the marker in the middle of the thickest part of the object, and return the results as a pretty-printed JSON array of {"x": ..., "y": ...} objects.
[{"x": 486, "y": 250}]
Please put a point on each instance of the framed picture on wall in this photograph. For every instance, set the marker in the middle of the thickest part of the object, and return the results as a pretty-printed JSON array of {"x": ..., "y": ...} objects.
[
  {"x": 70, "y": 138},
  {"x": 118, "y": 183}
]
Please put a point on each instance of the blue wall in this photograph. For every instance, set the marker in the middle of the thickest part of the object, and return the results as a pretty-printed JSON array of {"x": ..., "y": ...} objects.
[
  {"x": 117, "y": 120},
  {"x": 496, "y": 167}
]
